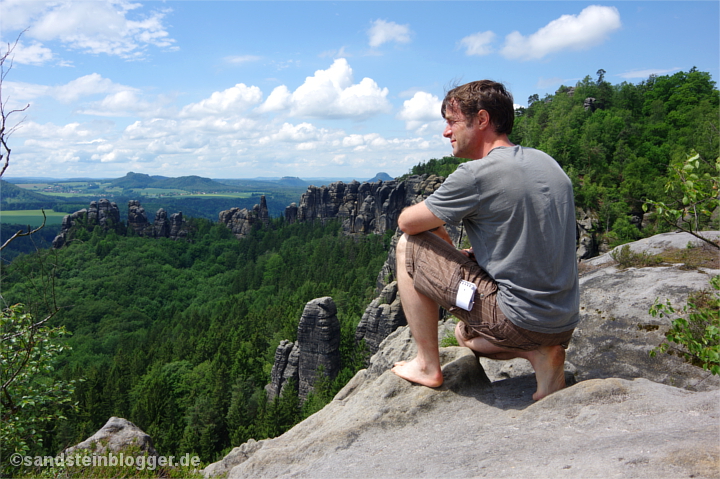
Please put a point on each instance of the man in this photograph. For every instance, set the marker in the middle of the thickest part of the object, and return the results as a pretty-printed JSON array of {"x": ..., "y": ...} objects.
[{"x": 516, "y": 205}]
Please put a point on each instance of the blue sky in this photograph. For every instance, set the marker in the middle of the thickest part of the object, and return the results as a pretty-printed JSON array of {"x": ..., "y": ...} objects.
[{"x": 235, "y": 89}]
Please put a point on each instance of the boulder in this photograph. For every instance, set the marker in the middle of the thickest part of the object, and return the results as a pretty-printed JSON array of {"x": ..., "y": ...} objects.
[{"x": 115, "y": 436}]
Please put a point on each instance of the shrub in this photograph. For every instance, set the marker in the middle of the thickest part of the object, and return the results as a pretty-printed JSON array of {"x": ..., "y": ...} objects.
[{"x": 696, "y": 336}]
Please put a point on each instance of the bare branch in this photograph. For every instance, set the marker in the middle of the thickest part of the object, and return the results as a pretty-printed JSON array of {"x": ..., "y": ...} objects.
[
  {"x": 24, "y": 233},
  {"x": 5, "y": 129}
]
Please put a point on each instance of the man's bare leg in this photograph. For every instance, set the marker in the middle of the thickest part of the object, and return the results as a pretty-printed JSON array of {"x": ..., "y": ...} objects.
[
  {"x": 422, "y": 317},
  {"x": 547, "y": 361}
]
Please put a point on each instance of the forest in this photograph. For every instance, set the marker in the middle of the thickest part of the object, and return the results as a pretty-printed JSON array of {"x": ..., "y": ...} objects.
[{"x": 179, "y": 336}]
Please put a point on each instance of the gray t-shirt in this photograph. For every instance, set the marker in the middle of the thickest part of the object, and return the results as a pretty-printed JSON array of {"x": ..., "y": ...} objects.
[{"x": 518, "y": 209}]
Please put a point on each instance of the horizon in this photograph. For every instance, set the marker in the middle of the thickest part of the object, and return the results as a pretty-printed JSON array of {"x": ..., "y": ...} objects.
[{"x": 185, "y": 87}]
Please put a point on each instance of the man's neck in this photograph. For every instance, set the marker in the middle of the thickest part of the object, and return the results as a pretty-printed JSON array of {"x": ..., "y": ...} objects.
[{"x": 494, "y": 142}]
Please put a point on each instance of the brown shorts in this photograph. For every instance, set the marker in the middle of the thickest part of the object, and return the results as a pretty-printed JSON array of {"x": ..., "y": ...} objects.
[{"x": 437, "y": 268}]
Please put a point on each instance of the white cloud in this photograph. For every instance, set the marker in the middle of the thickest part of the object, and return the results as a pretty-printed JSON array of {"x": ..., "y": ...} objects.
[
  {"x": 234, "y": 100},
  {"x": 240, "y": 59},
  {"x": 478, "y": 43},
  {"x": 421, "y": 110},
  {"x": 569, "y": 32},
  {"x": 86, "y": 86},
  {"x": 68, "y": 93},
  {"x": 99, "y": 26},
  {"x": 382, "y": 32},
  {"x": 330, "y": 94},
  {"x": 644, "y": 74},
  {"x": 280, "y": 99},
  {"x": 34, "y": 54}
]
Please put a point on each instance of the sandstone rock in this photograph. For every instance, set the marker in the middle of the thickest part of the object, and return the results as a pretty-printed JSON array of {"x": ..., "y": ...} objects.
[
  {"x": 115, "y": 436},
  {"x": 281, "y": 373},
  {"x": 318, "y": 341},
  {"x": 362, "y": 207},
  {"x": 68, "y": 222},
  {"x": 586, "y": 224},
  {"x": 241, "y": 221},
  {"x": 161, "y": 225},
  {"x": 137, "y": 219},
  {"x": 317, "y": 347},
  {"x": 106, "y": 214},
  {"x": 101, "y": 213},
  {"x": 382, "y": 316},
  {"x": 177, "y": 226}
]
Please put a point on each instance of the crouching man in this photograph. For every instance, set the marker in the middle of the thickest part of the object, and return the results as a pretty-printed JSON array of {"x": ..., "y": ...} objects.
[{"x": 519, "y": 280}]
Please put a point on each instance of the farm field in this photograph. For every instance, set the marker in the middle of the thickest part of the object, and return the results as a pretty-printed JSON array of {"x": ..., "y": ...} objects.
[{"x": 33, "y": 218}]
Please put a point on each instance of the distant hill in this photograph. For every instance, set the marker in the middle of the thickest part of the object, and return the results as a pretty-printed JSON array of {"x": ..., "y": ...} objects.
[
  {"x": 293, "y": 181},
  {"x": 188, "y": 183},
  {"x": 134, "y": 180},
  {"x": 382, "y": 176},
  {"x": 193, "y": 183},
  {"x": 12, "y": 196}
]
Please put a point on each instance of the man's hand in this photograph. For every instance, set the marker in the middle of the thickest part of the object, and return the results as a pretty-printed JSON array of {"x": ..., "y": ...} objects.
[{"x": 442, "y": 232}]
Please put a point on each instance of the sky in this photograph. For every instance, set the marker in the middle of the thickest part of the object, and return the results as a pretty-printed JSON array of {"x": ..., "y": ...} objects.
[{"x": 238, "y": 89}]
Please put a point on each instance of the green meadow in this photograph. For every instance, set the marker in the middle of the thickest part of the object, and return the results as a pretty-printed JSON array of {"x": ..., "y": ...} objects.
[{"x": 33, "y": 218}]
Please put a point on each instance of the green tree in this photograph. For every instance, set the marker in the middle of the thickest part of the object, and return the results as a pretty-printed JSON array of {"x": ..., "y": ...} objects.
[{"x": 30, "y": 396}]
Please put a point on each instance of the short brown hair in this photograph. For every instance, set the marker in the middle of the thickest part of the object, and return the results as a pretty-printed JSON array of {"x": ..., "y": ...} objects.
[{"x": 483, "y": 95}]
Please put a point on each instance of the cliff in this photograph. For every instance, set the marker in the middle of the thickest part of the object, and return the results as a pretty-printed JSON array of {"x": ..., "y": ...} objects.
[
  {"x": 106, "y": 214},
  {"x": 362, "y": 207},
  {"x": 624, "y": 413}
]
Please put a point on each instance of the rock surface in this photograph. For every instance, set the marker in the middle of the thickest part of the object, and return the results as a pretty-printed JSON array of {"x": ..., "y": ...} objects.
[
  {"x": 381, "y": 426},
  {"x": 116, "y": 435},
  {"x": 622, "y": 414}
]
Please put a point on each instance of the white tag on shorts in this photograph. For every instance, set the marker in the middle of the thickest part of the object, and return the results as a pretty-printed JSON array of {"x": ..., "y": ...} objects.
[{"x": 466, "y": 295}]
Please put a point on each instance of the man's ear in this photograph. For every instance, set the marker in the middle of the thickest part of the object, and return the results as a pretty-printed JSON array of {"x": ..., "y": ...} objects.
[{"x": 483, "y": 119}]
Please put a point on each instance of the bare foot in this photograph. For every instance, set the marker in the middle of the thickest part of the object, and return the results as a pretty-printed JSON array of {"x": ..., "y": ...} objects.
[
  {"x": 549, "y": 365},
  {"x": 414, "y": 372}
]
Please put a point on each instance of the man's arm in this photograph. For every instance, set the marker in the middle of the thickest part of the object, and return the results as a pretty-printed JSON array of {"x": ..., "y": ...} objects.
[{"x": 418, "y": 218}]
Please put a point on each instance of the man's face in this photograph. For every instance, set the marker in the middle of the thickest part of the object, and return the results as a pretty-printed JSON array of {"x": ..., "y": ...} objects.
[{"x": 464, "y": 137}]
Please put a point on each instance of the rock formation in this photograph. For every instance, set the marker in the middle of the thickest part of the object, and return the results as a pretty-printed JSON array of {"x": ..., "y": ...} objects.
[
  {"x": 137, "y": 219},
  {"x": 623, "y": 413},
  {"x": 362, "y": 207},
  {"x": 586, "y": 225},
  {"x": 241, "y": 221},
  {"x": 115, "y": 436},
  {"x": 101, "y": 213},
  {"x": 382, "y": 316},
  {"x": 317, "y": 348},
  {"x": 284, "y": 370},
  {"x": 105, "y": 214}
]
